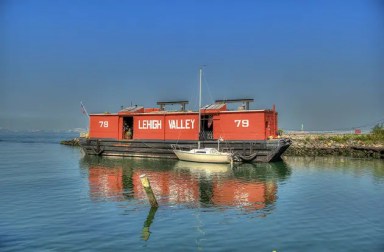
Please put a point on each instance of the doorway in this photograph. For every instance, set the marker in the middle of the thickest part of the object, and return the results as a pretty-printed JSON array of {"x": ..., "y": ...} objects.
[
  {"x": 207, "y": 127},
  {"x": 128, "y": 127}
]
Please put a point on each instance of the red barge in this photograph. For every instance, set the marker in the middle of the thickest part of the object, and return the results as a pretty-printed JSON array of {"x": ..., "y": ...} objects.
[{"x": 149, "y": 132}]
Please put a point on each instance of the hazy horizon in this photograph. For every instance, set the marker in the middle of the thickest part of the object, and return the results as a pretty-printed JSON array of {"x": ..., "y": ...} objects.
[{"x": 320, "y": 62}]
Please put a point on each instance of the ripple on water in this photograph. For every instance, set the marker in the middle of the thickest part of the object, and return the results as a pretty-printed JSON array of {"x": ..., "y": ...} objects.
[{"x": 51, "y": 199}]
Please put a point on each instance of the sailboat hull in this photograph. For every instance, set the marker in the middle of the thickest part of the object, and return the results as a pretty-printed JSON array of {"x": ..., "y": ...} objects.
[{"x": 223, "y": 158}]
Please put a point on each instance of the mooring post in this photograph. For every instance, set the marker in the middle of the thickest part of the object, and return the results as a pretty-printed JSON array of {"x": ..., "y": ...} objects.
[{"x": 148, "y": 190}]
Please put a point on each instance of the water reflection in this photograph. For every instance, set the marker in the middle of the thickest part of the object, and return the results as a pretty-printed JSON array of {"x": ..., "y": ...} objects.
[
  {"x": 246, "y": 186},
  {"x": 372, "y": 167},
  {"x": 145, "y": 233}
]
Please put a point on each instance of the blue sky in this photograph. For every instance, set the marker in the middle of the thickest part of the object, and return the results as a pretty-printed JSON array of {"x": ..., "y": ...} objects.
[{"x": 320, "y": 62}]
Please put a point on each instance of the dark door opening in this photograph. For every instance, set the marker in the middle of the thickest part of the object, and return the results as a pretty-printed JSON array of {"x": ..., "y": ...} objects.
[
  {"x": 207, "y": 127},
  {"x": 127, "y": 127}
]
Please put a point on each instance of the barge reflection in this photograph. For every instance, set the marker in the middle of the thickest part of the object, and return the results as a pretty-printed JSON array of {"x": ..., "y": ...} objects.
[{"x": 247, "y": 186}]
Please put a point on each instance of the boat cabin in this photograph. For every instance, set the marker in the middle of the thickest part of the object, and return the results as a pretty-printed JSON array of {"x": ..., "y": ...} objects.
[{"x": 216, "y": 122}]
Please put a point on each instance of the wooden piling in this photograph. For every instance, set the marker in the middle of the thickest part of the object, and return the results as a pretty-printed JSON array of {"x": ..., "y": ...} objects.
[{"x": 148, "y": 190}]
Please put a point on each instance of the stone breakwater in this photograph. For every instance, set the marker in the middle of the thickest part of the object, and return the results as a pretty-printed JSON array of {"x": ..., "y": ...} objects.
[
  {"x": 332, "y": 145},
  {"x": 72, "y": 142}
]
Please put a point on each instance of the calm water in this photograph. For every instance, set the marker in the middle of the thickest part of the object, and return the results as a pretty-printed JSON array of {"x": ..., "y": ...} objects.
[{"x": 54, "y": 199}]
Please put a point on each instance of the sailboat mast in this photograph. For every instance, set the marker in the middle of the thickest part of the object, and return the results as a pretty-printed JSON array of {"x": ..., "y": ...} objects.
[{"x": 201, "y": 74}]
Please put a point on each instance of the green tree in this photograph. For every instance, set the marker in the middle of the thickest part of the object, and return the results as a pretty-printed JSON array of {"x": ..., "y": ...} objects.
[{"x": 378, "y": 130}]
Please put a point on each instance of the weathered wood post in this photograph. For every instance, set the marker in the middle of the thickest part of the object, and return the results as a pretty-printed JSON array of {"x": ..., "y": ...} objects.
[{"x": 148, "y": 190}]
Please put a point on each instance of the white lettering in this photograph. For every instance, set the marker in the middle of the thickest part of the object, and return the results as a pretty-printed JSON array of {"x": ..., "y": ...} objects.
[
  {"x": 172, "y": 124},
  {"x": 193, "y": 123},
  {"x": 103, "y": 124},
  {"x": 242, "y": 123},
  {"x": 182, "y": 124},
  {"x": 149, "y": 124}
]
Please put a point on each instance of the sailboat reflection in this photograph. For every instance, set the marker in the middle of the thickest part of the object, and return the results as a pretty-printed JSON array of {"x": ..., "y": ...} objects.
[
  {"x": 250, "y": 187},
  {"x": 247, "y": 186},
  {"x": 206, "y": 168}
]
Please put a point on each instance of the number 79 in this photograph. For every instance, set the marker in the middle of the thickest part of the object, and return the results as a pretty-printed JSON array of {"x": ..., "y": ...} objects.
[{"x": 242, "y": 123}]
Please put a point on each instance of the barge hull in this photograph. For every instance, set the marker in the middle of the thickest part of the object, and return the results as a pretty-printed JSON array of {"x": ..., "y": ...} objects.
[{"x": 259, "y": 150}]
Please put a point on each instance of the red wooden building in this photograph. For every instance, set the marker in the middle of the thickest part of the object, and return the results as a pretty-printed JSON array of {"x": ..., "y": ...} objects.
[{"x": 156, "y": 125}]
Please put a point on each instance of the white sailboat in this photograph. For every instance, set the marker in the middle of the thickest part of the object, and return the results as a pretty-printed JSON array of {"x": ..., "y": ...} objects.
[{"x": 203, "y": 155}]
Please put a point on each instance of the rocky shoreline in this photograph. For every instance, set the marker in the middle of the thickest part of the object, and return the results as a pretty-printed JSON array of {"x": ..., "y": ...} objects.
[
  {"x": 332, "y": 145},
  {"x": 71, "y": 142}
]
